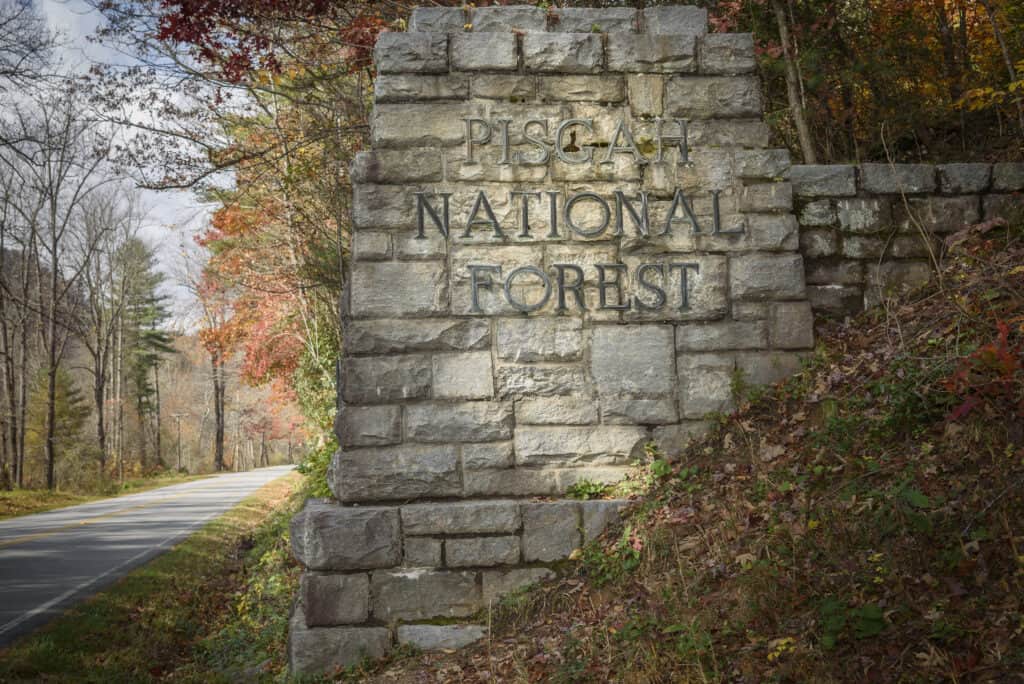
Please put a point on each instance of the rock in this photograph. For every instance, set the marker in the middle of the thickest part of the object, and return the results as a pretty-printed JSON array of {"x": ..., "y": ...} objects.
[
  {"x": 497, "y": 583},
  {"x": 330, "y": 600},
  {"x": 556, "y": 411},
  {"x": 705, "y": 384},
  {"x": 938, "y": 214},
  {"x": 1003, "y": 206},
  {"x": 371, "y": 246},
  {"x": 396, "y": 472},
  {"x": 382, "y": 379},
  {"x": 324, "y": 650},
  {"x": 507, "y": 87},
  {"x": 582, "y": 88},
  {"x": 540, "y": 381},
  {"x": 727, "y": 54},
  {"x": 762, "y": 164},
  {"x": 397, "y": 52},
  {"x": 472, "y": 421},
  {"x": 767, "y": 197},
  {"x": 569, "y": 53},
  {"x": 397, "y": 166},
  {"x": 422, "y": 552},
  {"x": 484, "y": 52},
  {"x": 768, "y": 368},
  {"x": 638, "y": 360},
  {"x": 700, "y": 337},
  {"x": 823, "y": 180},
  {"x": 819, "y": 243},
  {"x": 897, "y": 178},
  {"x": 403, "y": 336},
  {"x": 512, "y": 482},
  {"x": 960, "y": 179},
  {"x": 767, "y": 276},
  {"x": 370, "y": 425},
  {"x": 420, "y": 594},
  {"x": 818, "y": 213},
  {"x": 864, "y": 216},
  {"x": 594, "y": 20},
  {"x": 399, "y": 289},
  {"x": 857, "y": 247},
  {"x": 463, "y": 376},
  {"x": 423, "y": 124},
  {"x": 679, "y": 20},
  {"x": 563, "y": 445},
  {"x": 487, "y": 455},
  {"x": 646, "y": 94},
  {"x": 644, "y": 52},
  {"x": 551, "y": 531},
  {"x": 440, "y": 637},
  {"x": 617, "y": 410},
  {"x": 525, "y": 340},
  {"x": 1008, "y": 177},
  {"x": 792, "y": 325},
  {"x": 462, "y": 517},
  {"x": 411, "y": 87},
  {"x": 509, "y": 18},
  {"x": 437, "y": 19},
  {"x": 332, "y": 537},
  {"x": 599, "y": 515},
  {"x": 833, "y": 272},
  {"x": 706, "y": 97},
  {"x": 672, "y": 439},
  {"x": 481, "y": 551},
  {"x": 836, "y": 300}
]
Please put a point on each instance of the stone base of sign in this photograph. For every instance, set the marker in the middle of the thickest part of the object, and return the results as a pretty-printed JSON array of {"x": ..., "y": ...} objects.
[{"x": 379, "y": 575}]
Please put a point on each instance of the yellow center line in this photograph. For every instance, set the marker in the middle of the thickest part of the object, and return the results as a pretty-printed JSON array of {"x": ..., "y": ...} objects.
[{"x": 63, "y": 528}]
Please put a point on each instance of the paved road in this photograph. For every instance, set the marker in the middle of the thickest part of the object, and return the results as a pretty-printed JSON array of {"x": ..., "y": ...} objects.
[{"x": 51, "y": 561}]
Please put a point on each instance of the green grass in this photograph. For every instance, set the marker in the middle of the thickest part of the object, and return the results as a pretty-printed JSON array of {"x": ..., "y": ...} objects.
[
  {"x": 214, "y": 608},
  {"x": 29, "y": 501}
]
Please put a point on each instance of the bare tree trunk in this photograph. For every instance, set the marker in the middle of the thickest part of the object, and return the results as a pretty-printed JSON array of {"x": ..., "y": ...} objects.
[
  {"x": 156, "y": 385},
  {"x": 218, "y": 410},
  {"x": 793, "y": 86},
  {"x": 1006, "y": 58}
]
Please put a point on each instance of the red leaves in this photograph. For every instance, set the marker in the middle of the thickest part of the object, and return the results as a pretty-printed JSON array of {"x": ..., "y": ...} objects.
[{"x": 990, "y": 375}]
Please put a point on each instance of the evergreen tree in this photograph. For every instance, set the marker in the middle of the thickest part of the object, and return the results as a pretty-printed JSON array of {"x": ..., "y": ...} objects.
[{"x": 71, "y": 411}]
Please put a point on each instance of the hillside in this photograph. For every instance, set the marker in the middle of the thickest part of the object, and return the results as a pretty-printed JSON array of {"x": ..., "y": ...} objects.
[{"x": 863, "y": 522}]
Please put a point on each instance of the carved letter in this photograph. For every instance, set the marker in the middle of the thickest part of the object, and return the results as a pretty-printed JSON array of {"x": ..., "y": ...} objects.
[
  {"x": 682, "y": 142},
  {"x": 484, "y": 138},
  {"x": 590, "y": 232},
  {"x": 679, "y": 200},
  {"x": 603, "y": 285},
  {"x": 659, "y": 293},
  {"x": 684, "y": 289},
  {"x": 520, "y": 306},
  {"x": 642, "y": 221},
  {"x": 622, "y": 130},
  {"x": 475, "y": 284},
  {"x": 489, "y": 220},
  {"x": 545, "y": 151},
  {"x": 576, "y": 287},
  {"x": 524, "y": 223},
  {"x": 423, "y": 206},
  {"x": 561, "y": 147}
]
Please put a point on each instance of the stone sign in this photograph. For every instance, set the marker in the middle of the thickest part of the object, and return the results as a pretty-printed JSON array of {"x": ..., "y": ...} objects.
[{"x": 570, "y": 237}]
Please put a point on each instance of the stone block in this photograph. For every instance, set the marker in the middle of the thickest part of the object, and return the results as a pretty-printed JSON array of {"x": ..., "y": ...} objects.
[
  {"x": 506, "y": 87},
  {"x": 886, "y": 179},
  {"x": 637, "y": 360},
  {"x": 726, "y": 54},
  {"x": 539, "y": 381},
  {"x": 594, "y": 19},
  {"x": 462, "y": 517},
  {"x": 819, "y": 243},
  {"x": 330, "y": 600},
  {"x": 864, "y": 215},
  {"x": 705, "y": 384},
  {"x": 397, "y": 52},
  {"x": 646, "y": 94},
  {"x": 720, "y": 336},
  {"x": 569, "y": 477},
  {"x": 673, "y": 439},
  {"x": 836, "y": 300},
  {"x": 383, "y": 379},
  {"x": 938, "y": 214},
  {"x": 792, "y": 325},
  {"x": 568, "y": 445},
  {"x": 768, "y": 368},
  {"x": 440, "y": 637},
  {"x": 509, "y": 18},
  {"x": 1005, "y": 206},
  {"x": 423, "y": 124},
  {"x": 892, "y": 278},
  {"x": 676, "y": 20},
  {"x": 731, "y": 133},
  {"x": 370, "y": 425},
  {"x": 762, "y": 164},
  {"x": 421, "y": 594},
  {"x": 406, "y": 245},
  {"x": 767, "y": 197},
  {"x": 324, "y": 650},
  {"x": 484, "y": 52},
  {"x": 766, "y": 276},
  {"x": 376, "y": 206},
  {"x": 392, "y": 289},
  {"x": 371, "y": 245},
  {"x": 572, "y": 88},
  {"x": 823, "y": 180},
  {"x": 706, "y": 97},
  {"x": 818, "y": 213},
  {"x": 706, "y": 291},
  {"x": 475, "y": 552},
  {"x": 963, "y": 179},
  {"x": 860, "y": 247},
  {"x": 644, "y": 52},
  {"x": 525, "y": 340},
  {"x": 395, "y": 473},
  {"x": 568, "y": 53},
  {"x": 1008, "y": 177},
  {"x": 331, "y": 537},
  {"x": 463, "y": 376},
  {"x": 487, "y": 455},
  {"x": 551, "y": 531},
  {"x": 514, "y": 482},
  {"x": 397, "y": 166},
  {"x": 393, "y": 336},
  {"x": 497, "y": 583},
  {"x": 914, "y": 246},
  {"x": 556, "y": 411},
  {"x": 412, "y": 87},
  {"x": 598, "y": 516},
  {"x": 437, "y": 19},
  {"x": 834, "y": 272},
  {"x": 750, "y": 311},
  {"x": 472, "y": 421},
  {"x": 616, "y": 410},
  {"x": 422, "y": 552}
]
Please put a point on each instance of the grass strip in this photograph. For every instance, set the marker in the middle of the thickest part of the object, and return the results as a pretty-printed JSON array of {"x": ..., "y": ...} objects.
[{"x": 158, "y": 620}]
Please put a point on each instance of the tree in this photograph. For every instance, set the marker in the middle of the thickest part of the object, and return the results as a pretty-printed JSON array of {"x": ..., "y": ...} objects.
[
  {"x": 68, "y": 413},
  {"x": 25, "y": 44}
]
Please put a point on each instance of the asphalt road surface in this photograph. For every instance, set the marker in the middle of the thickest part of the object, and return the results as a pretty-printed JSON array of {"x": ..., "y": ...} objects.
[{"x": 51, "y": 561}]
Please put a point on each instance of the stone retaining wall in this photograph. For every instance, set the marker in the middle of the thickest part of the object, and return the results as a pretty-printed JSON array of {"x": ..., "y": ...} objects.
[{"x": 866, "y": 230}]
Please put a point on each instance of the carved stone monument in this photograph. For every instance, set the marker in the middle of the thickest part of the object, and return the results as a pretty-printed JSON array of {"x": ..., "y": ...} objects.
[{"x": 570, "y": 236}]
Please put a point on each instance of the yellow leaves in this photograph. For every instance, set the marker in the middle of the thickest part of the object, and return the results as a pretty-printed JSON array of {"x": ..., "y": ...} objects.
[
  {"x": 780, "y": 647},
  {"x": 813, "y": 524}
]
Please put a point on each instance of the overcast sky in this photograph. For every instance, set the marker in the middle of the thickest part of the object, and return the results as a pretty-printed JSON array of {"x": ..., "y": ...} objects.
[{"x": 173, "y": 217}]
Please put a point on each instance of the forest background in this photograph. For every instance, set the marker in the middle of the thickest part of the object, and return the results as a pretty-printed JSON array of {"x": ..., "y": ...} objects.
[{"x": 259, "y": 106}]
